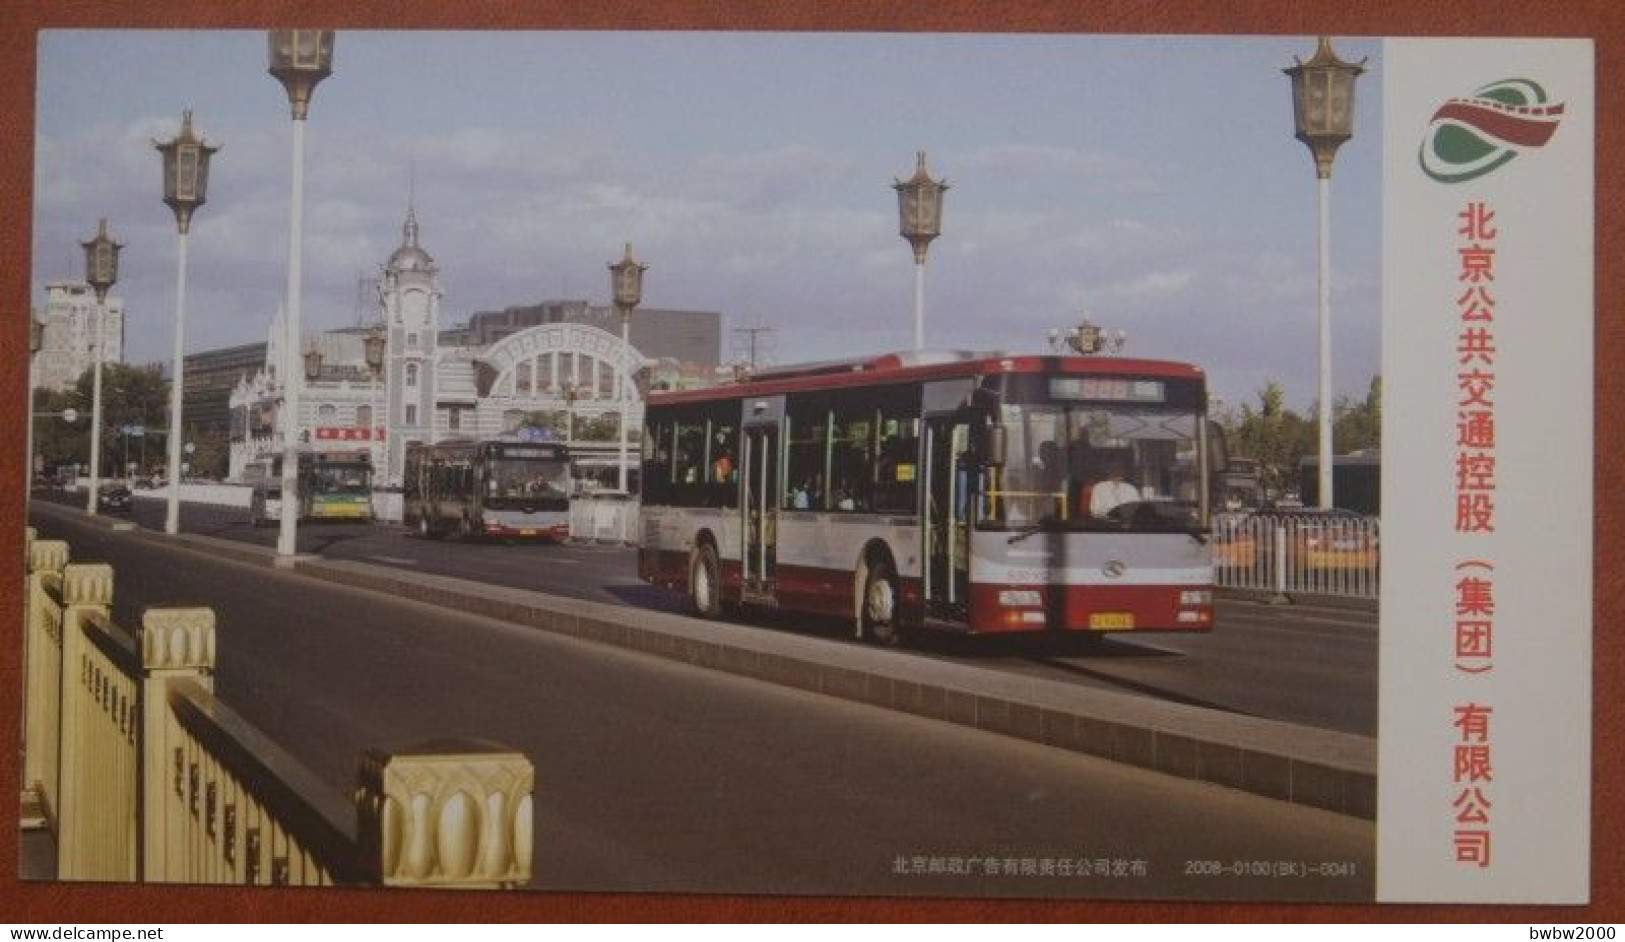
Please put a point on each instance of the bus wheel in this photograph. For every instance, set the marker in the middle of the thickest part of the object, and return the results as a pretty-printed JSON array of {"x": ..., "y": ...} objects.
[
  {"x": 878, "y": 617},
  {"x": 704, "y": 584}
]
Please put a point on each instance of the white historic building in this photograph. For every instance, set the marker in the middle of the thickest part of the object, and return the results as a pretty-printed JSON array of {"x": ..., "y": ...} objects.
[
  {"x": 68, "y": 346},
  {"x": 426, "y": 392}
]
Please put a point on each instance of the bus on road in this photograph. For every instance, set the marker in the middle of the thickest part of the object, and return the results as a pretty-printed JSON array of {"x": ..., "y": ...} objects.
[
  {"x": 976, "y": 493},
  {"x": 503, "y": 488},
  {"x": 333, "y": 485}
]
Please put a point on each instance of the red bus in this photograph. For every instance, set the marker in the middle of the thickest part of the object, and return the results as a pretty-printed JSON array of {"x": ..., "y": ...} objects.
[{"x": 976, "y": 493}]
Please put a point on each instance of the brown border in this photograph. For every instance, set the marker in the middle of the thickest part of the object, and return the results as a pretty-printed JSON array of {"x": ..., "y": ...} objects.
[{"x": 56, "y": 903}]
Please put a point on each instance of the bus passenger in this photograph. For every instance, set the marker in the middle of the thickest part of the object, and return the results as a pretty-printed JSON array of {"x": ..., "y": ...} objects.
[
  {"x": 1113, "y": 492},
  {"x": 806, "y": 497}
]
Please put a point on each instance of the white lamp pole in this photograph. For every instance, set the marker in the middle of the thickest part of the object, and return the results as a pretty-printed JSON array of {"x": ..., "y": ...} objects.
[
  {"x": 299, "y": 60},
  {"x": 186, "y": 180},
  {"x": 373, "y": 348},
  {"x": 626, "y": 285},
  {"x": 101, "y": 273},
  {"x": 36, "y": 339},
  {"x": 1323, "y": 110}
]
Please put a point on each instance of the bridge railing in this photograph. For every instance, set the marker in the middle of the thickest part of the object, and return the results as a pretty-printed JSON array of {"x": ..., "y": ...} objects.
[
  {"x": 143, "y": 774},
  {"x": 1286, "y": 555}
]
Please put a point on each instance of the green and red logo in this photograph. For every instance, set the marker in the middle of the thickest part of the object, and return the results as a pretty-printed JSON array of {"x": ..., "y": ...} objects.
[{"x": 1469, "y": 137}]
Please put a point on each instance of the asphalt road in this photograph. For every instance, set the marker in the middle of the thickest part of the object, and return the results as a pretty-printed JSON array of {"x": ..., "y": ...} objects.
[
  {"x": 655, "y": 776},
  {"x": 1314, "y": 666}
]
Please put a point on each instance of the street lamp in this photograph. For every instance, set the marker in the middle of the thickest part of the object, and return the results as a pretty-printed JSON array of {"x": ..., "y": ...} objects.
[
  {"x": 373, "y": 349},
  {"x": 300, "y": 58},
  {"x": 1323, "y": 110},
  {"x": 626, "y": 285},
  {"x": 1087, "y": 339},
  {"x": 570, "y": 392},
  {"x": 36, "y": 340},
  {"x": 186, "y": 179},
  {"x": 101, "y": 273},
  {"x": 919, "y": 210}
]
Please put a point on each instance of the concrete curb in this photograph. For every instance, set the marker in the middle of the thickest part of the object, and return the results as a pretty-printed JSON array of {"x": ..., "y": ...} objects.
[{"x": 1319, "y": 768}]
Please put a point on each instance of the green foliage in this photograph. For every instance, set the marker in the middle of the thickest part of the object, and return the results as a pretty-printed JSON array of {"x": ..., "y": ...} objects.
[
  {"x": 1279, "y": 438},
  {"x": 131, "y": 395}
]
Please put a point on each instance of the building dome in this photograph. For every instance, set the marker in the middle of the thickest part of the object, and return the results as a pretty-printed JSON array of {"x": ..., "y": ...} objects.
[{"x": 410, "y": 256}]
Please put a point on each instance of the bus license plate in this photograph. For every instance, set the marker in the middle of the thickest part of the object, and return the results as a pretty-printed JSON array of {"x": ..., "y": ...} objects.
[
  {"x": 1108, "y": 621},
  {"x": 527, "y": 531}
]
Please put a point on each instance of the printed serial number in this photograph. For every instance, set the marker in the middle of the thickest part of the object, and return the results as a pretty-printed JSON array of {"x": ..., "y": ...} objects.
[{"x": 1275, "y": 869}]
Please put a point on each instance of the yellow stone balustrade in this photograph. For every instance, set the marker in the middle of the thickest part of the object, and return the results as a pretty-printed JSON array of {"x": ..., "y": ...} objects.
[
  {"x": 42, "y": 678},
  {"x": 447, "y": 814},
  {"x": 144, "y": 774}
]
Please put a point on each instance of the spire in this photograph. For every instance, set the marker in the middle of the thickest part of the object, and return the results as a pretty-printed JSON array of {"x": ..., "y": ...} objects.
[{"x": 411, "y": 231}]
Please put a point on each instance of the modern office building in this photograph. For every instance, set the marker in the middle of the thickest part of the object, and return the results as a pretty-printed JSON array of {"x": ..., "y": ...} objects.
[{"x": 68, "y": 346}]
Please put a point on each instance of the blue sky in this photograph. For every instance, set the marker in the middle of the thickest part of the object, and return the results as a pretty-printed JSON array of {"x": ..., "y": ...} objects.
[{"x": 1152, "y": 182}]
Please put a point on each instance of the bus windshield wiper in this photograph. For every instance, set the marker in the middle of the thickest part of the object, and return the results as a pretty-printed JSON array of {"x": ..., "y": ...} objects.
[{"x": 1038, "y": 527}]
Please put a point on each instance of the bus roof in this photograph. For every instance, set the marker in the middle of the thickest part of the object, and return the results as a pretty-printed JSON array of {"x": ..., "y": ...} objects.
[{"x": 916, "y": 366}]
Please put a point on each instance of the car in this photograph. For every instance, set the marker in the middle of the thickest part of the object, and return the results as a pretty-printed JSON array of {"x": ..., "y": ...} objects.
[{"x": 114, "y": 497}]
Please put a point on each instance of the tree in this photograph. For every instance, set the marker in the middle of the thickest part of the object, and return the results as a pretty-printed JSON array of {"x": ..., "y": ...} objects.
[
  {"x": 1276, "y": 437},
  {"x": 211, "y": 452},
  {"x": 1357, "y": 426},
  {"x": 131, "y": 395},
  {"x": 1279, "y": 439}
]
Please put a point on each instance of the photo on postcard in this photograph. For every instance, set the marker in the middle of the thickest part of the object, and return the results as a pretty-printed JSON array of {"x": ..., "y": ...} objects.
[{"x": 905, "y": 465}]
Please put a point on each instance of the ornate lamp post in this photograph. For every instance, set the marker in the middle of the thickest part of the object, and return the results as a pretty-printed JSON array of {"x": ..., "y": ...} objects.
[
  {"x": 186, "y": 180},
  {"x": 313, "y": 364},
  {"x": 919, "y": 210},
  {"x": 570, "y": 393},
  {"x": 373, "y": 348},
  {"x": 1323, "y": 110},
  {"x": 626, "y": 285},
  {"x": 300, "y": 58},
  {"x": 101, "y": 273},
  {"x": 36, "y": 340}
]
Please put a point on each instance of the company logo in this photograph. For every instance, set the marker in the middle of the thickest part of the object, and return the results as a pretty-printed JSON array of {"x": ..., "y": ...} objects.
[
  {"x": 1114, "y": 569},
  {"x": 1469, "y": 137}
]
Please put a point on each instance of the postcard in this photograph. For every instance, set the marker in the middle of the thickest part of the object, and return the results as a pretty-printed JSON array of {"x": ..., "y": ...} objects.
[{"x": 937, "y": 465}]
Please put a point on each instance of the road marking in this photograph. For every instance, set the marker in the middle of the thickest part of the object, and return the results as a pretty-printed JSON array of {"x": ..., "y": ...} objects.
[{"x": 395, "y": 560}]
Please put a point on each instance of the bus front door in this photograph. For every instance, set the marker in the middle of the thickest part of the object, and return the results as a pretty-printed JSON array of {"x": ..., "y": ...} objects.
[
  {"x": 760, "y": 496},
  {"x": 945, "y": 511}
]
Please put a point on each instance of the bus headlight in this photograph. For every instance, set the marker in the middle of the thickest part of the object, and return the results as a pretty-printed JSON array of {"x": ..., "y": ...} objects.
[
  {"x": 1196, "y": 597},
  {"x": 1015, "y": 598}
]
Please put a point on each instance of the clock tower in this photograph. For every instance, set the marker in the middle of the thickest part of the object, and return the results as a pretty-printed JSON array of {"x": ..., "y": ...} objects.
[{"x": 409, "y": 294}]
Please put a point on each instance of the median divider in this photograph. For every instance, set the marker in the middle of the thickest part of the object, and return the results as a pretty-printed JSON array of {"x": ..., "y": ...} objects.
[{"x": 1320, "y": 768}]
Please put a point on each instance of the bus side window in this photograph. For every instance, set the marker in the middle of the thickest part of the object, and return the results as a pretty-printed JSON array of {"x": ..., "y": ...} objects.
[{"x": 808, "y": 453}]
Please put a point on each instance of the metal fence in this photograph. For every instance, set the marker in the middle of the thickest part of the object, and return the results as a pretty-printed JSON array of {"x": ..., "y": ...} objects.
[
  {"x": 609, "y": 517},
  {"x": 1289, "y": 555}
]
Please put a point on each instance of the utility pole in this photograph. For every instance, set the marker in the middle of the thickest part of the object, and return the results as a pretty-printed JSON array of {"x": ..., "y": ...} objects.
[{"x": 751, "y": 333}]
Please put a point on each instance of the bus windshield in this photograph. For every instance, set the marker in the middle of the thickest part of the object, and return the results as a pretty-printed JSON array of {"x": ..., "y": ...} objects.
[
  {"x": 341, "y": 478},
  {"x": 1106, "y": 466},
  {"x": 520, "y": 477}
]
